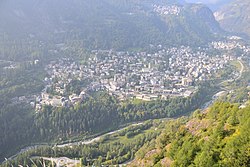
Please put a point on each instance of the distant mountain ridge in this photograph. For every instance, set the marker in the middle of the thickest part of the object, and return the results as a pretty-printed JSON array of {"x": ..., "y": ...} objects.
[
  {"x": 235, "y": 16},
  {"x": 214, "y": 5},
  {"x": 109, "y": 23}
]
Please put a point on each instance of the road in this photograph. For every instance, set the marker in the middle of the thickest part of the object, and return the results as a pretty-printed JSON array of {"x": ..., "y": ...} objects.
[
  {"x": 86, "y": 142},
  {"x": 241, "y": 70},
  {"x": 214, "y": 98},
  {"x": 225, "y": 90},
  {"x": 62, "y": 161},
  {"x": 238, "y": 77},
  {"x": 96, "y": 139},
  {"x": 70, "y": 144}
]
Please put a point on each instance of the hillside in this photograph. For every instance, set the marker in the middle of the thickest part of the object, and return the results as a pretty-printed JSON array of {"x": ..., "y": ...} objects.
[
  {"x": 235, "y": 16},
  {"x": 212, "y": 4},
  {"x": 218, "y": 137},
  {"x": 108, "y": 23}
]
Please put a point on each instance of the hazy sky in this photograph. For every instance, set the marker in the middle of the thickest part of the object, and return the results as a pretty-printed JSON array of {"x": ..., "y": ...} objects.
[{"x": 207, "y": 1}]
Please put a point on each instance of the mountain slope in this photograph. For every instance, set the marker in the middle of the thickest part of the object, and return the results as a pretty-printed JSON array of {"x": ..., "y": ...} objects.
[
  {"x": 235, "y": 16},
  {"x": 109, "y": 24},
  {"x": 219, "y": 137},
  {"x": 212, "y": 4}
]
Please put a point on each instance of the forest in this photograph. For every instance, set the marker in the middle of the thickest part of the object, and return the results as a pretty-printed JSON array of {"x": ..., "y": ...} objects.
[
  {"x": 36, "y": 32},
  {"x": 23, "y": 126},
  {"x": 110, "y": 149},
  {"x": 219, "y": 136}
]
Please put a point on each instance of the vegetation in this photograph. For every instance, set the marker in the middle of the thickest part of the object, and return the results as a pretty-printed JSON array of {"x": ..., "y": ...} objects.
[
  {"x": 31, "y": 38},
  {"x": 98, "y": 113},
  {"x": 216, "y": 137},
  {"x": 105, "y": 24},
  {"x": 109, "y": 150}
]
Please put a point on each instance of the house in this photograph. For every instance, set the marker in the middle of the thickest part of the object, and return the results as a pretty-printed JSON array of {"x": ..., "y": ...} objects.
[
  {"x": 56, "y": 102},
  {"x": 74, "y": 98},
  {"x": 187, "y": 93},
  {"x": 139, "y": 96}
]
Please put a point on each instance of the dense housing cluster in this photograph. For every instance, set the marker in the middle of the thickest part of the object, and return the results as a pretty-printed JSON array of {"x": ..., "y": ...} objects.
[
  {"x": 146, "y": 76},
  {"x": 160, "y": 74},
  {"x": 167, "y": 10}
]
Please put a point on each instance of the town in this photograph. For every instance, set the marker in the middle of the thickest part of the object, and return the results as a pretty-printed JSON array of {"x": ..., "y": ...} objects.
[
  {"x": 161, "y": 73},
  {"x": 167, "y": 73},
  {"x": 167, "y": 10}
]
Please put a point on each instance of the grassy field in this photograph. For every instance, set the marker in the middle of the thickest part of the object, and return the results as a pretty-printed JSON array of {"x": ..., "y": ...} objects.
[{"x": 236, "y": 64}]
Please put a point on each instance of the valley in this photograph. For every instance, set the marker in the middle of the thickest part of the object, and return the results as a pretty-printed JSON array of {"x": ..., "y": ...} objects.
[
  {"x": 124, "y": 83},
  {"x": 32, "y": 150}
]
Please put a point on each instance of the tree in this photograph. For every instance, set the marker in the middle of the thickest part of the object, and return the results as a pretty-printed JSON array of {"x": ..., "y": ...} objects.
[{"x": 204, "y": 159}]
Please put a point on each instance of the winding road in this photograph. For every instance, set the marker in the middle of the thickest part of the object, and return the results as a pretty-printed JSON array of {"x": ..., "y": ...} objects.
[
  {"x": 241, "y": 70},
  {"x": 224, "y": 90},
  {"x": 238, "y": 77},
  {"x": 90, "y": 141},
  {"x": 62, "y": 161},
  {"x": 86, "y": 142},
  {"x": 70, "y": 144}
]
